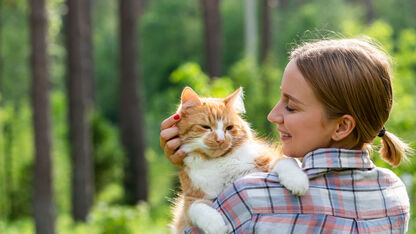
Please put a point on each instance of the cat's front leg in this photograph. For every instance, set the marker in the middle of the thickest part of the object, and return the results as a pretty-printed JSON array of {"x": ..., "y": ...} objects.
[
  {"x": 206, "y": 218},
  {"x": 291, "y": 176}
]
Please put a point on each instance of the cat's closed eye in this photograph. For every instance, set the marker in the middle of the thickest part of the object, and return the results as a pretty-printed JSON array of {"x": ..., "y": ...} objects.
[
  {"x": 229, "y": 127},
  {"x": 206, "y": 126}
]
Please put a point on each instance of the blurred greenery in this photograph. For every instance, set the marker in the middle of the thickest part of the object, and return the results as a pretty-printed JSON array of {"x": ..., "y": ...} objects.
[{"x": 171, "y": 57}]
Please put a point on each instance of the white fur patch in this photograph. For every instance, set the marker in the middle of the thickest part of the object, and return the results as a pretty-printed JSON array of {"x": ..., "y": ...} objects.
[
  {"x": 207, "y": 218},
  {"x": 220, "y": 130},
  {"x": 197, "y": 143},
  {"x": 292, "y": 176},
  {"x": 214, "y": 175}
]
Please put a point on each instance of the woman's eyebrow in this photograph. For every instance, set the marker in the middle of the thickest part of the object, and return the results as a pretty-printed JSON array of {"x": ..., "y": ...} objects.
[{"x": 290, "y": 97}]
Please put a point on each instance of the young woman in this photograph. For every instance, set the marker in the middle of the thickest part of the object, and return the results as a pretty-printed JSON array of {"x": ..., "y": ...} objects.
[{"x": 336, "y": 98}]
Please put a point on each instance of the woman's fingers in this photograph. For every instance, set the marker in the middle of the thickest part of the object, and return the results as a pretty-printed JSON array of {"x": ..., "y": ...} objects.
[
  {"x": 167, "y": 134},
  {"x": 169, "y": 140},
  {"x": 177, "y": 157},
  {"x": 173, "y": 144},
  {"x": 169, "y": 122},
  {"x": 172, "y": 152}
]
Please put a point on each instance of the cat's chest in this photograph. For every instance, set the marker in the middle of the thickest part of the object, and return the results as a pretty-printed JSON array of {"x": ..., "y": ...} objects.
[{"x": 214, "y": 175}]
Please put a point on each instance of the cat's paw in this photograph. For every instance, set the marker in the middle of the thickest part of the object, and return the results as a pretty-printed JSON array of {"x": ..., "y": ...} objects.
[
  {"x": 207, "y": 219},
  {"x": 292, "y": 176},
  {"x": 296, "y": 182}
]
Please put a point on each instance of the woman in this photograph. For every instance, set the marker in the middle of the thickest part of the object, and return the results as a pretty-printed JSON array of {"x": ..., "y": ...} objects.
[{"x": 336, "y": 98}]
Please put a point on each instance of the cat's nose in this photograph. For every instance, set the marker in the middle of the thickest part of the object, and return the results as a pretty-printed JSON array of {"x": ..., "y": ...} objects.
[{"x": 220, "y": 141}]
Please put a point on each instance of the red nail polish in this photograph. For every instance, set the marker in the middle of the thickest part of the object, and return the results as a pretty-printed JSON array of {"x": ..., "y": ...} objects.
[{"x": 176, "y": 117}]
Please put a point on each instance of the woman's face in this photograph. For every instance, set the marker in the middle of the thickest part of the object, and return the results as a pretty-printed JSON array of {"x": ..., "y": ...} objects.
[{"x": 300, "y": 117}]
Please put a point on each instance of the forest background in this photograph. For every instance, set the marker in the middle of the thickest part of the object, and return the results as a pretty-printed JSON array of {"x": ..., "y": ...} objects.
[{"x": 177, "y": 46}]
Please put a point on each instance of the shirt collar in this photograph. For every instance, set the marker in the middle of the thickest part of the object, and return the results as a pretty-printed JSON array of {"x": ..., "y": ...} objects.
[{"x": 337, "y": 158}]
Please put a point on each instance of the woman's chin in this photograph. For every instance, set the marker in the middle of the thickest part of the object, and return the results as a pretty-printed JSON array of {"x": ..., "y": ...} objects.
[{"x": 290, "y": 153}]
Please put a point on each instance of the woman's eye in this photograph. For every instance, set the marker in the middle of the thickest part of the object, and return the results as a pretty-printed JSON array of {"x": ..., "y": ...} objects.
[
  {"x": 206, "y": 126},
  {"x": 289, "y": 109},
  {"x": 229, "y": 127}
]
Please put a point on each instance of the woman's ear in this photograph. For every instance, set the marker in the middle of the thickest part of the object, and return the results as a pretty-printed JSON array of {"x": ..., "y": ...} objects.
[{"x": 345, "y": 125}]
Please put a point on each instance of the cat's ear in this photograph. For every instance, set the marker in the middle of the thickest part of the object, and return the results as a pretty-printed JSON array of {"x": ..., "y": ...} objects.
[
  {"x": 189, "y": 98},
  {"x": 235, "y": 100}
]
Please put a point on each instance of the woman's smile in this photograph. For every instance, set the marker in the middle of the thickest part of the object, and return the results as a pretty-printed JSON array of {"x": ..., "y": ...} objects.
[{"x": 283, "y": 135}]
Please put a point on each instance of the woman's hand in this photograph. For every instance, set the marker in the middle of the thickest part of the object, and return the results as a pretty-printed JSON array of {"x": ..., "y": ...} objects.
[{"x": 170, "y": 141}]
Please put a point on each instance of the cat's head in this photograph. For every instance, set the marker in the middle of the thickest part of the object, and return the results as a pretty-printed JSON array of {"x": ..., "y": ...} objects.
[{"x": 212, "y": 127}]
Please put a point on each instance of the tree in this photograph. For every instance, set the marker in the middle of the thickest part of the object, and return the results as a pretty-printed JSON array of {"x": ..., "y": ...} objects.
[
  {"x": 43, "y": 206},
  {"x": 212, "y": 29},
  {"x": 131, "y": 118},
  {"x": 265, "y": 29},
  {"x": 283, "y": 4},
  {"x": 369, "y": 10},
  {"x": 79, "y": 95},
  {"x": 250, "y": 23}
]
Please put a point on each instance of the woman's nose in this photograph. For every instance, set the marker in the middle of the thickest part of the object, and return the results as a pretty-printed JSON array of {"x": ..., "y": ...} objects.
[{"x": 275, "y": 115}]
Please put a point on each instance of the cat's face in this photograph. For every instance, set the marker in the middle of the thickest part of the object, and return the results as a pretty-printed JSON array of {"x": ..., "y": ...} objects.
[{"x": 210, "y": 126}]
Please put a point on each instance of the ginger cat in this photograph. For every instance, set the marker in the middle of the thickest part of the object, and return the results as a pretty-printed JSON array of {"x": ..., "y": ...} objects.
[{"x": 221, "y": 148}]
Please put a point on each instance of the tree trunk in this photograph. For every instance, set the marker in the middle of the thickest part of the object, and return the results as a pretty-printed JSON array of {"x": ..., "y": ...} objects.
[
  {"x": 369, "y": 9},
  {"x": 79, "y": 92},
  {"x": 212, "y": 29},
  {"x": 89, "y": 66},
  {"x": 250, "y": 28},
  {"x": 131, "y": 118},
  {"x": 413, "y": 5},
  {"x": 265, "y": 29},
  {"x": 43, "y": 206},
  {"x": 283, "y": 4}
]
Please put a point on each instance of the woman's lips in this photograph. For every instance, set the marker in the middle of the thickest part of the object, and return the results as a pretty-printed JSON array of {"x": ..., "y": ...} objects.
[{"x": 284, "y": 136}]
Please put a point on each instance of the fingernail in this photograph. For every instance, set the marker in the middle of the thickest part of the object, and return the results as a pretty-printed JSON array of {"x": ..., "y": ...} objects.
[{"x": 176, "y": 117}]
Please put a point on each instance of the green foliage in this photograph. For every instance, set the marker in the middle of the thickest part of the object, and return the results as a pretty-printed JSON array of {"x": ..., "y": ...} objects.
[
  {"x": 302, "y": 21},
  {"x": 115, "y": 219},
  {"x": 14, "y": 45},
  {"x": 400, "y": 15},
  {"x": 106, "y": 58},
  {"x": 181, "y": 24},
  {"x": 191, "y": 74},
  {"x": 108, "y": 154},
  {"x": 23, "y": 225},
  {"x": 171, "y": 54},
  {"x": 16, "y": 151},
  {"x": 60, "y": 152},
  {"x": 103, "y": 219}
]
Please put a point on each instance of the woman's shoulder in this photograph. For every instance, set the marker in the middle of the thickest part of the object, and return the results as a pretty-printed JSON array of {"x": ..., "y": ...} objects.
[
  {"x": 388, "y": 178},
  {"x": 257, "y": 180}
]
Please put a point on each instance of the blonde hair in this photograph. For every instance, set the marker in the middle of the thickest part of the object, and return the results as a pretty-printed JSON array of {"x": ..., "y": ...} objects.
[{"x": 352, "y": 76}]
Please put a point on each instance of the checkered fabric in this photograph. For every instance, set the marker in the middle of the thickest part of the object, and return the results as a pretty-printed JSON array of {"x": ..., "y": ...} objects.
[{"x": 347, "y": 194}]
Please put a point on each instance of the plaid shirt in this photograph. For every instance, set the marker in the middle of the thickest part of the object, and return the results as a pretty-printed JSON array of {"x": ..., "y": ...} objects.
[{"x": 347, "y": 194}]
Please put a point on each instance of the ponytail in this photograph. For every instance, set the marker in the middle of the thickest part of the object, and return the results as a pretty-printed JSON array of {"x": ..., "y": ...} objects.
[{"x": 393, "y": 150}]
